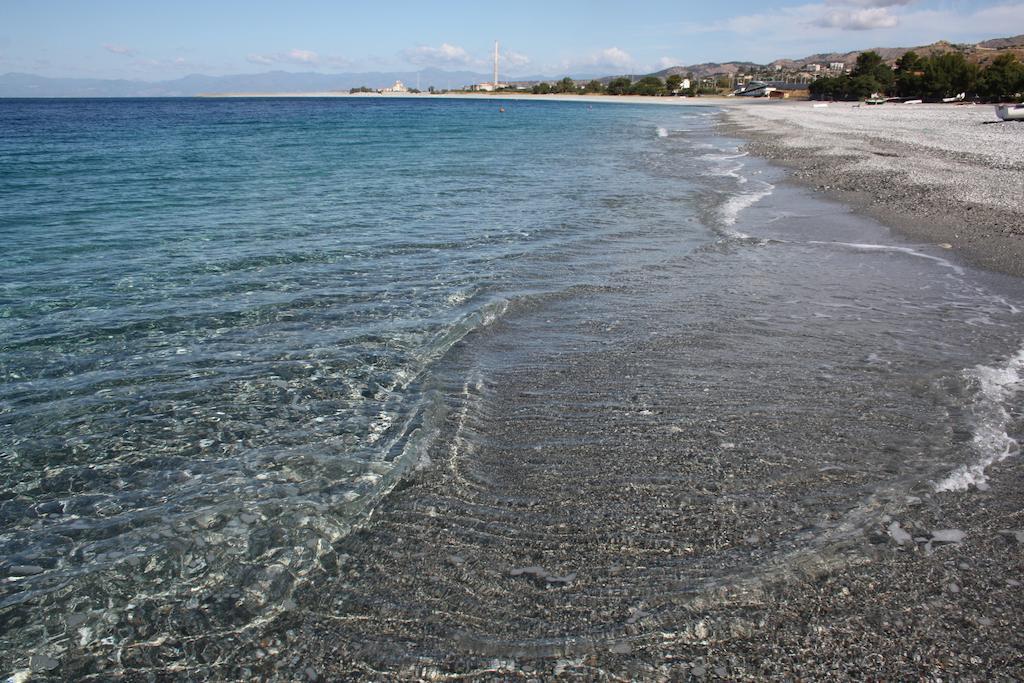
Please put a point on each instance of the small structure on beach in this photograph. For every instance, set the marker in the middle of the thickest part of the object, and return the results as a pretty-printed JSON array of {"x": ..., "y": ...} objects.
[
  {"x": 755, "y": 89},
  {"x": 398, "y": 87}
]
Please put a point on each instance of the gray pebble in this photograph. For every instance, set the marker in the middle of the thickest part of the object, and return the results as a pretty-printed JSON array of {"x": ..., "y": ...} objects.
[
  {"x": 42, "y": 663},
  {"x": 24, "y": 570},
  {"x": 897, "y": 534},
  {"x": 948, "y": 536}
]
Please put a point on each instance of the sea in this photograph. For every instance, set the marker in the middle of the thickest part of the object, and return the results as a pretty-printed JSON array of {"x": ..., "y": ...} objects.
[{"x": 232, "y": 329}]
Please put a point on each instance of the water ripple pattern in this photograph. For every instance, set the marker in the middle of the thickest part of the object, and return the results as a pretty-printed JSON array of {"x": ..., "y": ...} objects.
[{"x": 390, "y": 383}]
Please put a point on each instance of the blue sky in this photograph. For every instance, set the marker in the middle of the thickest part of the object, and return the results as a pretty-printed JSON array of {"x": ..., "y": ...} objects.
[{"x": 151, "y": 40}]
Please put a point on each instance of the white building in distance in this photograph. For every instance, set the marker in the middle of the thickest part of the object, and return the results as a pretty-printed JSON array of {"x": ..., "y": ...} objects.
[{"x": 398, "y": 87}]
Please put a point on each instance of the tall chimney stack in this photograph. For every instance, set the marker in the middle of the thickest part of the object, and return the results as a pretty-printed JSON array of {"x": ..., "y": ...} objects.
[{"x": 495, "y": 65}]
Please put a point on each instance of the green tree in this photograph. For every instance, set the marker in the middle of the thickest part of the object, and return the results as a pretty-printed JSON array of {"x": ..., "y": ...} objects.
[
  {"x": 823, "y": 89},
  {"x": 910, "y": 75},
  {"x": 859, "y": 87},
  {"x": 564, "y": 85},
  {"x": 594, "y": 86},
  {"x": 1003, "y": 79},
  {"x": 948, "y": 74},
  {"x": 844, "y": 88},
  {"x": 871, "y": 65},
  {"x": 673, "y": 83},
  {"x": 542, "y": 89},
  {"x": 619, "y": 86},
  {"x": 648, "y": 85}
]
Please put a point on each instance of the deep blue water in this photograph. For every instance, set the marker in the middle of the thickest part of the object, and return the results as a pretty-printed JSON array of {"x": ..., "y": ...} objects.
[{"x": 219, "y": 319}]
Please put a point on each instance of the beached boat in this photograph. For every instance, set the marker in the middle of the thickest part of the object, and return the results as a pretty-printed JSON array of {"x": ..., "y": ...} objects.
[
  {"x": 1010, "y": 112},
  {"x": 875, "y": 100}
]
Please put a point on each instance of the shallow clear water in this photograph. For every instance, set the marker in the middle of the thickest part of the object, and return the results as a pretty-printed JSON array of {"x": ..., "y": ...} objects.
[{"x": 228, "y": 328}]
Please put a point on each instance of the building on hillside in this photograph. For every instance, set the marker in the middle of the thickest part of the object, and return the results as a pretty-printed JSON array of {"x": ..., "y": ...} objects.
[
  {"x": 813, "y": 68},
  {"x": 837, "y": 66}
]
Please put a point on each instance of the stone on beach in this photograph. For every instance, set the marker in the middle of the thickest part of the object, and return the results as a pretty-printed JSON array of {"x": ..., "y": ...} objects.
[{"x": 897, "y": 534}]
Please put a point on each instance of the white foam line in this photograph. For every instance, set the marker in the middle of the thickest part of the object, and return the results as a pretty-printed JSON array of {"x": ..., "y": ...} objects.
[
  {"x": 724, "y": 157},
  {"x": 662, "y": 132},
  {"x": 997, "y": 386},
  {"x": 730, "y": 210},
  {"x": 731, "y": 173},
  {"x": 890, "y": 248}
]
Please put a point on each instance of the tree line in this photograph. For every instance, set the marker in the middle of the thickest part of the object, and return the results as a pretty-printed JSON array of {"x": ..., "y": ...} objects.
[
  {"x": 933, "y": 78},
  {"x": 623, "y": 85}
]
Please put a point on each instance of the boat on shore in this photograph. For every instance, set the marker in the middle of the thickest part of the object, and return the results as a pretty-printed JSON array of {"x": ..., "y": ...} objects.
[{"x": 1010, "y": 112}]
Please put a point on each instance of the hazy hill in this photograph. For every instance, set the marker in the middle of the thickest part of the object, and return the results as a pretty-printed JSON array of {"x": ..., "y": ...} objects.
[
  {"x": 999, "y": 43},
  {"x": 26, "y": 85},
  {"x": 979, "y": 53}
]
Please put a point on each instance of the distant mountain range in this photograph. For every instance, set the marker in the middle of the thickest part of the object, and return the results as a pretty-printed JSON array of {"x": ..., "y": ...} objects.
[
  {"x": 978, "y": 53},
  {"x": 27, "y": 85}
]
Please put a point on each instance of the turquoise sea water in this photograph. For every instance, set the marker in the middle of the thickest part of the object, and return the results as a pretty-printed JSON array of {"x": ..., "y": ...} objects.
[{"x": 220, "y": 319}]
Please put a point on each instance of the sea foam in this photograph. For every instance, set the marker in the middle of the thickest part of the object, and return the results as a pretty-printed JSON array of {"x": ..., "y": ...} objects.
[
  {"x": 997, "y": 387},
  {"x": 730, "y": 210}
]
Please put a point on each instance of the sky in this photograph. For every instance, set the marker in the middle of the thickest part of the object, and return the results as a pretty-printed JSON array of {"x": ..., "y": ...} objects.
[{"x": 154, "y": 40}]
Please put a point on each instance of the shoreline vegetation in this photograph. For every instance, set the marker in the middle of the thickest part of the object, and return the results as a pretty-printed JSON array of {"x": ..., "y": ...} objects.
[
  {"x": 931, "y": 78},
  {"x": 935, "y": 78}
]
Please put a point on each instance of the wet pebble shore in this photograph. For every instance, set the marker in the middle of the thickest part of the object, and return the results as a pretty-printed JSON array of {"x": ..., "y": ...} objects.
[{"x": 940, "y": 174}]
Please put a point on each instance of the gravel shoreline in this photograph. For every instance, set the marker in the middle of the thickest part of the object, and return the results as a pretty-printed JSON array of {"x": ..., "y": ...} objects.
[{"x": 935, "y": 173}]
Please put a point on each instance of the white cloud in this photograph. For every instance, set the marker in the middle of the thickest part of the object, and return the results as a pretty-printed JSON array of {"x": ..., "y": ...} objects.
[
  {"x": 298, "y": 57},
  {"x": 514, "y": 59},
  {"x": 666, "y": 62},
  {"x": 447, "y": 55},
  {"x": 119, "y": 49},
  {"x": 302, "y": 56},
  {"x": 987, "y": 22},
  {"x": 831, "y": 18},
  {"x": 610, "y": 58},
  {"x": 870, "y": 3},
  {"x": 857, "y": 20}
]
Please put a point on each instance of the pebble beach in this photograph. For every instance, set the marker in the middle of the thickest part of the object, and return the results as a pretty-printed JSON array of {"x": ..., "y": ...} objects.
[{"x": 938, "y": 173}]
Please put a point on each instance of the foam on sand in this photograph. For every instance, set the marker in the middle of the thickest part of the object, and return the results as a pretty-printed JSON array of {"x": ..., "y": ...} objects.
[
  {"x": 997, "y": 386},
  {"x": 730, "y": 210},
  {"x": 893, "y": 249}
]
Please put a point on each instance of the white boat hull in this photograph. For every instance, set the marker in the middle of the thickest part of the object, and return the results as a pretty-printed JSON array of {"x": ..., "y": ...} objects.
[{"x": 1011, "y": 113}]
